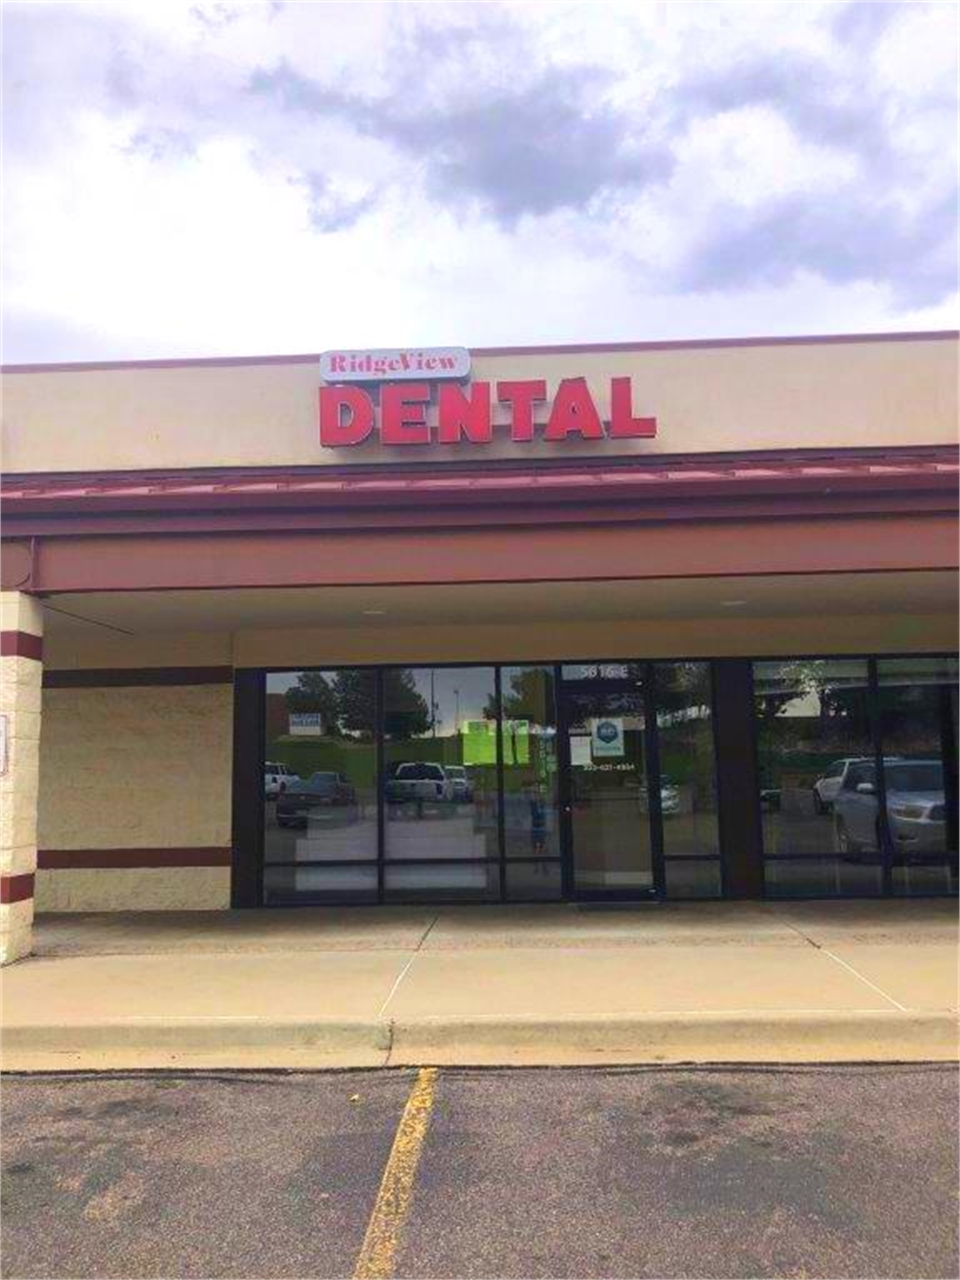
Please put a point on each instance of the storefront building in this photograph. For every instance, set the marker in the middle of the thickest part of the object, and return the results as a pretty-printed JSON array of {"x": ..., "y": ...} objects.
[{"x": 669, "y": 620}]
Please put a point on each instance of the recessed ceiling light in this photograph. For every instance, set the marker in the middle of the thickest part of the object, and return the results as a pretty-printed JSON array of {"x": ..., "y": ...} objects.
[
  {"x": 373, "y": 613},
  {"x": 732, "y": 604}
]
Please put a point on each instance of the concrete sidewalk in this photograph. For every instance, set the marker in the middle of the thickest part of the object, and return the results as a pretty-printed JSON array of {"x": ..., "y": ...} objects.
[{"x": 735, "y": 982}]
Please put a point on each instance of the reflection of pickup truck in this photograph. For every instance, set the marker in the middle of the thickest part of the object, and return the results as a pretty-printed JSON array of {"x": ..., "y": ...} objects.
[
  {"x": 277, "y": 778},
  {"x": 418, "y": 780}
]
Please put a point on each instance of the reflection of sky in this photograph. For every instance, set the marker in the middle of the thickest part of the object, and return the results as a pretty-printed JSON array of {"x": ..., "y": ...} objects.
[
  {"x": 281, "y": 681},
  {"x": 459, "y": 693}
]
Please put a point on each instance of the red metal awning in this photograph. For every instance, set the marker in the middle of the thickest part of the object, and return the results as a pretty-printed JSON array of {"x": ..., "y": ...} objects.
[{"x": 664, "y": 479}]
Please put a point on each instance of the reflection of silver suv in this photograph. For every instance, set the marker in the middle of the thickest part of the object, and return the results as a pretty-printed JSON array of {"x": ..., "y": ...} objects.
[
  {"x": 462, "y": 787},
  {"x": 830, "y": 783},
  {"x": 916, "y": 812}
]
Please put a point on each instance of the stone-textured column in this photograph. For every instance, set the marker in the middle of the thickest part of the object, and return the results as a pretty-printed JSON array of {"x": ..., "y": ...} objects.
[{"x": 21, "y": 672}]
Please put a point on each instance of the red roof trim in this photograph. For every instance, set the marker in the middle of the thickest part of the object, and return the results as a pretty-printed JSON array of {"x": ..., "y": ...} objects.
[
  {"x": 492, "y": 470},
  {"x": 589, "y": 490},
  {"x": 684, "y": 344}
]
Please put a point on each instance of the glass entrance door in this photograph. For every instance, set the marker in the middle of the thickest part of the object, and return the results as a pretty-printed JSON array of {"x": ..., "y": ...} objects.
[{"x": 607, "y": 810}]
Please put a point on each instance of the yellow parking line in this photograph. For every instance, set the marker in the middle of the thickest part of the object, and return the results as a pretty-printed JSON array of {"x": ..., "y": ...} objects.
[{"x": 380, "y": 1244}]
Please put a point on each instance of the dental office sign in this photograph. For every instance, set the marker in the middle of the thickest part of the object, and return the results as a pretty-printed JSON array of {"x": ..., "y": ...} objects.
[{"x": 424, "y": 396}]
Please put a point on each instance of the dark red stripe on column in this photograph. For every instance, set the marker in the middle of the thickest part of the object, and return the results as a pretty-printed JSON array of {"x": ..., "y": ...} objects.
[
  {"x": 20, "y": 644},
  {"x": 102, "y": 859},
  {"x": 16, "y": 888}
]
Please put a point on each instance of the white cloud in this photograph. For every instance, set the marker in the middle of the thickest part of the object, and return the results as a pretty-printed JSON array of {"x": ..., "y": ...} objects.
[{"x": 488, "y": 174}]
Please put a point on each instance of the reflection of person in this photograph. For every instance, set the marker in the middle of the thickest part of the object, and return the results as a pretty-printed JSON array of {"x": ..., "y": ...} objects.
[{"x": 538, "y": 821}]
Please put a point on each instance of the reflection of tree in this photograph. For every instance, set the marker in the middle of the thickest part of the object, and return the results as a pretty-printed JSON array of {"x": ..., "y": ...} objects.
[
  {"x": 840, "y": 704},
  {"x": 528, "y": 698},
  {"x": 346, "y": 700},
  {"x": 355, "y": 691},
  {"x": 312, "y": 692},
  {"x": 682, "y": 692},
  {"x": 810, "y": 712},
  {"x": 406, "y": 713}
]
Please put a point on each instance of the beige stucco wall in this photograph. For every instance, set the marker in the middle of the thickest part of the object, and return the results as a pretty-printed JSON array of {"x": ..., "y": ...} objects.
[
  {"x": 134, "y": 889},
  {"x": 16, "y": 930},
  {"x": 127, "y": 768},
  {"x": 824, "y": 394}
]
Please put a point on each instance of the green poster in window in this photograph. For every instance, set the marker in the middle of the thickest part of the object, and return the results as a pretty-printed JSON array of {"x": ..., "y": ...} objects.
[
  {"x": 479, "y": 742},
  {"x": 516, "y": 742}
]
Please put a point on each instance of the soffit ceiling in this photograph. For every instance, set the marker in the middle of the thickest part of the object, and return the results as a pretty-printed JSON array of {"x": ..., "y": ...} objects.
[{"x": 801, "y": 595}]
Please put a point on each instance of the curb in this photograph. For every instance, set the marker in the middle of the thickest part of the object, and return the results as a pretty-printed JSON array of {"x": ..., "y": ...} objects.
[
  {"x": 229, "y": 1041},
  {"x": 668, "y": 1038},
  {"x": 880, "y": 1036}
]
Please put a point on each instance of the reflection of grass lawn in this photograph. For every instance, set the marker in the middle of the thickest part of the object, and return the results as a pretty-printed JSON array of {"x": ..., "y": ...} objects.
[{"x": 357, "y": 761}]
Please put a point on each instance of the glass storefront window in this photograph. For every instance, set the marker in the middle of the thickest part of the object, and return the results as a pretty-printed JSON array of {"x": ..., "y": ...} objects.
[
  {"x": 918, "y": 727},
  {"x": 320, "y": 786},
  {"x": 446, "y": 783},
  {"x": 693, "y": 877},
  {"x": 813, "y": 742},
  {"x": 440, "y": 778},
  {"x": 305, "y": 884},
  {"x": 688, "y": 772},
  {"x": 821, "y": 878},
  {"x": 442, "y": 881},
  {"x": 534, "y": 881},
  {"x": 531, "y": 806},
  {"x": 610, "y": 828}
]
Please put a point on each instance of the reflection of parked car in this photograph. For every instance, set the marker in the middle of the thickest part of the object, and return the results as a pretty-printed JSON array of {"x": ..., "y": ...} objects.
[
  {"x": 770, "y": 799},
  {"x": 831, "y": 781},
  {"x": 277, "y": 778},
  {"x": 669, "y": 797},
  {"x": 322, "y": 792},
  {"x": 462, "y": 786},
  {"x": 916, "y": 812},
  {"x": 418, "y": 780}
]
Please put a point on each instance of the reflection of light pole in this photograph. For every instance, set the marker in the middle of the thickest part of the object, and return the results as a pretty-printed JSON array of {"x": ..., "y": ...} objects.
[
  {"x": 456, "y": 694},
  {"x": 433, "y": 705}
]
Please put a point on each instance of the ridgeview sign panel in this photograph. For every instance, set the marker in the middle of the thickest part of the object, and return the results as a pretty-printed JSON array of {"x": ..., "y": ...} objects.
[
  {"x": 426, "y": 411},
  {"x": 395, "y": 364}
]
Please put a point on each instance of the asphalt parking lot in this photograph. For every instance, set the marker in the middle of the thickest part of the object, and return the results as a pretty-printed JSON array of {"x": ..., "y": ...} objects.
[{"x": 788, "y": 1172}]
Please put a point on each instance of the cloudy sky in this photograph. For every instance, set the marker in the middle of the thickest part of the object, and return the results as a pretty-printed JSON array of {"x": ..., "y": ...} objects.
[{"x": 219, "y": 178}]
